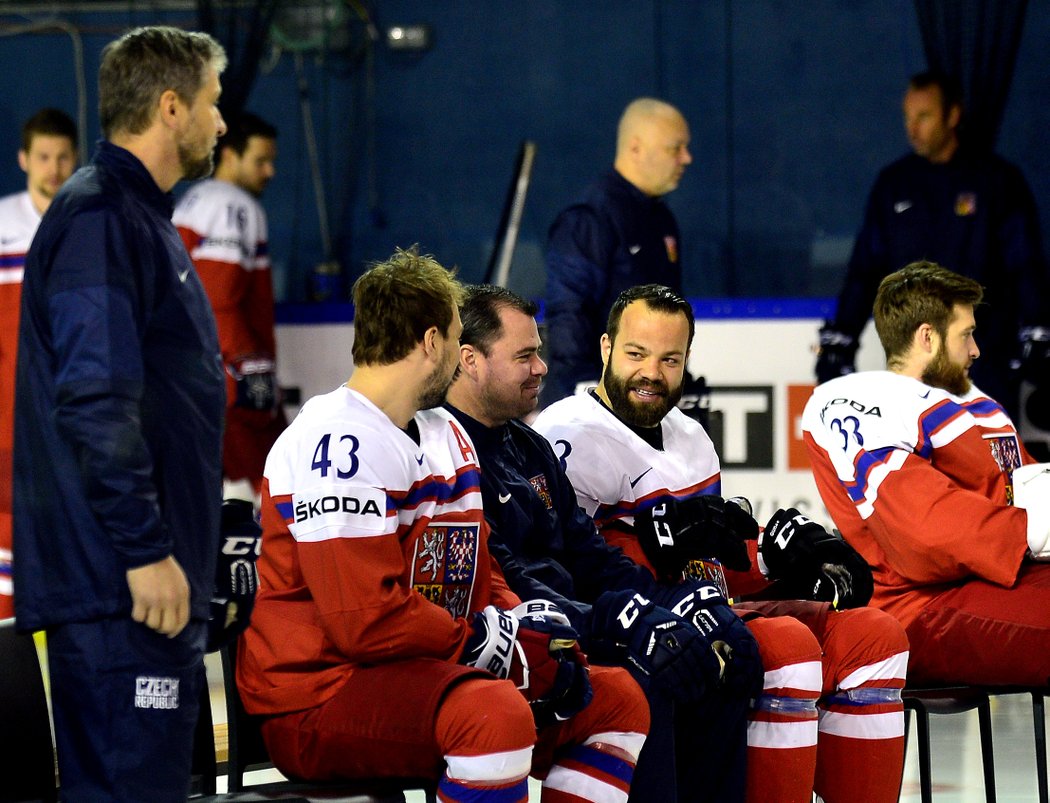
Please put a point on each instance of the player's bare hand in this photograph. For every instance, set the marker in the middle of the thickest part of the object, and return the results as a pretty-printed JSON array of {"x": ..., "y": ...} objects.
[{"x": 160, "y": 596}]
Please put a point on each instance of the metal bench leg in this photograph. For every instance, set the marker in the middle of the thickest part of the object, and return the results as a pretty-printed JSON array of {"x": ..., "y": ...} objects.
[
  {"x": 984, "y": 715},
  {"x": 1039, "y": 725},
  {"x": 922, "y": 732}
]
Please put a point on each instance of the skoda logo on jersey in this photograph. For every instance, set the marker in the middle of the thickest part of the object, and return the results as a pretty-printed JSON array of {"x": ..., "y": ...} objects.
[
  {"x": 854, "y": 405},
  {"x": 311, "y": 508},
  {"x": 336, "y": 512}
]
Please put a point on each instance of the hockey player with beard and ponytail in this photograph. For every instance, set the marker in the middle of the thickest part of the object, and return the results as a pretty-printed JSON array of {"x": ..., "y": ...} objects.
[
  {"x": 829, "y": 719},
  {"x": 926, "y": 477},
  {"x": 383, "y": 636}
]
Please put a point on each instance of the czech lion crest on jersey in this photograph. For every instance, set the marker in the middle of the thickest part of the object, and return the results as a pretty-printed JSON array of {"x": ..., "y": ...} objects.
[
  {"x": 444, "y": 565},
  {"x": 1007, "y": 455},
  {"x": 539, "y": 485}
]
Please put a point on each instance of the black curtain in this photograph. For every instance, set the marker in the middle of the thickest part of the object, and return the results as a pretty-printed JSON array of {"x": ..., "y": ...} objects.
[
  {"x": 244, "y": 31},
  {"x": 975, "y": 41}
]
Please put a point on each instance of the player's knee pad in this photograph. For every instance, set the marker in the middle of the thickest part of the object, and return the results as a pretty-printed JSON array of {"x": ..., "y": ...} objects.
[
  {"x": 791, "y": 658},
  {"x": 785, "y": 713},
  {"x": 485, "y": 730},
  {"x": 783, "y": 641},
  {"x": 866, "y": 662},
  {"x": 864, "y": 646}
]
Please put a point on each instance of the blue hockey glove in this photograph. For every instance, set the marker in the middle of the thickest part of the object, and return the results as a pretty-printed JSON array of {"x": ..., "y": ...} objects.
[
  {"x": 533, "y": 646},
  {"x": 675, "y": 531},
  {"x": 662, "y": 648},
  {"x": 810, "y": 563},
  {"x": 703, "y": 605},
  {"x": 571, "y": 690},
  {"x": 236, "y": 577},
  {"x": 837, "y": 355}
]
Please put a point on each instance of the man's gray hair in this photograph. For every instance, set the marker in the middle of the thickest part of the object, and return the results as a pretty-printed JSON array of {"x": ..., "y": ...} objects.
[{"x": 143, "y": 64}]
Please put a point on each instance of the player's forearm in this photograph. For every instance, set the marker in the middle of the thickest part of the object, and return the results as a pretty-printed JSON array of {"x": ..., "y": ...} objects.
[
  {"x": 417, "y": 629},
  {"x": 365, "y": 608},
  {"x": 951, "y": 535}
]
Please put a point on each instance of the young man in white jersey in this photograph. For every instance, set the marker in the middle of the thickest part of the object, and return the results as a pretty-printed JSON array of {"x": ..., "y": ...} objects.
[
  {"x": 926, "y": 476},
  {"x": 48, "y": 156},
  {"x": 829, "y": 719},
  {"x": 383, "y": 635},
  {"x": 224, "y": 228}
]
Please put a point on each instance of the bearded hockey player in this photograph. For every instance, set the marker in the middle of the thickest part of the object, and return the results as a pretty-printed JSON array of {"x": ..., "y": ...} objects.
[
  {"x": 829, "y": 718},
  {"x": 926, "y": 476},
  {"x": 548, "y": 547},
  {"x": 384, "y": 641}
]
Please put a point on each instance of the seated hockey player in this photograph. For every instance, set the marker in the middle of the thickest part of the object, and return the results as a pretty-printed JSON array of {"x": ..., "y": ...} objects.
[
  {"x": 830, "y": 717},
  {"x": 384, "y": 640},
  {"x": 548, "y": 547},
  {"x": 928, "y": 479}
]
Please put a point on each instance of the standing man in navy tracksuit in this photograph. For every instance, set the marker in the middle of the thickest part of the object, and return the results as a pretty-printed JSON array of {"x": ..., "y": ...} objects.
[
  {"x": 118, "y": 423},
  {"x": 619, "y": 233},
  {"x": 969, "y": 210}
]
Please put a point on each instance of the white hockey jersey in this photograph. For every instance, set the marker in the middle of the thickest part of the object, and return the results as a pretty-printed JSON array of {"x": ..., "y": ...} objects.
[
  {"x": 617, "y": 474},
  {"x": 18, "y": 223},
  {"x": 374, "y": 548},
  {"x": 224, "y": 229},
  {"x": 919, "y": 482}
]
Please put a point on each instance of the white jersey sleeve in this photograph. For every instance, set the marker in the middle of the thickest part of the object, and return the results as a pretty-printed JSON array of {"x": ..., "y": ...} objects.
[
  {"x": 918, "y": 480},
  {"x": 588, "y": 451},
  {"x": 229, "y": 224},
  {"x": 18, "y": 224}
]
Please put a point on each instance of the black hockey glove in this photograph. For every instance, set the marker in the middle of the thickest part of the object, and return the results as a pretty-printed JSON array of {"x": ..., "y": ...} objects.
[
  {"x": 236, "y": 578},
  {"x": 256, "y": 382},
  {"x": 837, "y": 354},
  {"x": 1033, "y": 365},
  {"x": 676, "y": 531},
  {"x": 663, "y": 649},
  {"x": 811, "y": 563},
  {"x": 534, "y": 646},
  {"x": 702, "y": 605}
]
